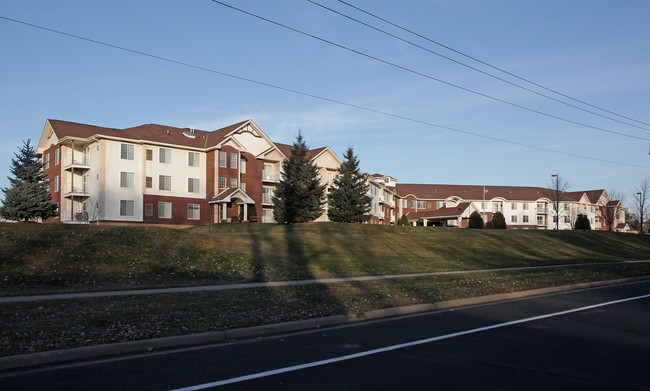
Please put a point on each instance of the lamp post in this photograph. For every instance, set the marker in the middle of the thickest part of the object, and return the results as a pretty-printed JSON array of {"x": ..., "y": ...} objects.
[
  {"x": 557, "y": 202},
  {"x": 641, "y": 206}
]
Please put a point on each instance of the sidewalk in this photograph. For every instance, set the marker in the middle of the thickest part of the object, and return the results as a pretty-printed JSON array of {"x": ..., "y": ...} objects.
[{"x": 135, "y": 292}]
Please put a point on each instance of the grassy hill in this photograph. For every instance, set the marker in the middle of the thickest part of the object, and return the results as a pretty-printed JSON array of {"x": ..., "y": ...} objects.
[
  {"x": 56, "y": 257},
  {"x": 36, "y": 258}
]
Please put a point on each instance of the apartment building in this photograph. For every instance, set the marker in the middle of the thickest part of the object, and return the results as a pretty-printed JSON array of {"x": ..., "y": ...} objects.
[
  {"x": 160, "y": 174},
  {"x": 522, "y": 207}
]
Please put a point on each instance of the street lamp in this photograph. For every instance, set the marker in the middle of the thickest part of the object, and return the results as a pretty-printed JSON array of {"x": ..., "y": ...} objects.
[{"x": 557, "y": 202}]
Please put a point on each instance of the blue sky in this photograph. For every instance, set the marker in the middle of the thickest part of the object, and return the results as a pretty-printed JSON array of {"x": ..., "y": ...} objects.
[{"x": 595, "y": 51}]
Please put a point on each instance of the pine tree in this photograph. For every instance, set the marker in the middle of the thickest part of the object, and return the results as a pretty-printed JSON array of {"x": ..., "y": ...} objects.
[
  {"x": 349, "y": 201},
  {"x": 299, "y": 196},
  {"x": 28, "y": 197}
]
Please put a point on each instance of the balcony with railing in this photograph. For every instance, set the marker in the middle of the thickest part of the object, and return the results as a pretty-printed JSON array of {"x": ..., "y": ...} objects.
[
  {"x": 270, "y": 176},
  {"x": 73, "y": 217},
  {"x": 79, "y": 160},
  {"x": 78, "y": 190},
  {"x": 267, "y": 198},
  {"x": 541, "y": 209}
]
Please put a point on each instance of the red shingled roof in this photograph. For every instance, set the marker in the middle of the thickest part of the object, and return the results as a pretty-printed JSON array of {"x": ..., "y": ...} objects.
[
  {"x": 286, "y": 150},
  {"x": 439, "y": 213},
  {"x": 471, "y": 192},
  {"x": 148, "y": 132}
]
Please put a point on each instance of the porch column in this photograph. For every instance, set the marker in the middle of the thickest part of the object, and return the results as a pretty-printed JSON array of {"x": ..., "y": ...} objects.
[
  {"x": 224, "y": 212},
  {"x": 245, "y": 212},
  {"x": 425, "y": 221}
]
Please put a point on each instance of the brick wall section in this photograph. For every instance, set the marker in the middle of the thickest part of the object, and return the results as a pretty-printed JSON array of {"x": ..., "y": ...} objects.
[
  {"x": 52, "y": 172},
  {"x": 253, "y": 180},
  {"x": 179, "y": 210},
  {"x": 210, "y": 177}
]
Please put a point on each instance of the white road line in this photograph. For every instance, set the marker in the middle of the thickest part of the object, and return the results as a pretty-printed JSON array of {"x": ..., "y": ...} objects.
[{"x": 394, "y": 347}]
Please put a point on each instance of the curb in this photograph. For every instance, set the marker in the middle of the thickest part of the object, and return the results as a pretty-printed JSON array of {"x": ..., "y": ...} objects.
[{"x": 25, "y": 361}]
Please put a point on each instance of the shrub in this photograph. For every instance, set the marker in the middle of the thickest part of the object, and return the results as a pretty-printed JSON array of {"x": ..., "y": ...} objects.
[
  {"x": 476, "y": 220},
  {"x": 489, "y": 225},
  {"x": 498, "y": 221}
]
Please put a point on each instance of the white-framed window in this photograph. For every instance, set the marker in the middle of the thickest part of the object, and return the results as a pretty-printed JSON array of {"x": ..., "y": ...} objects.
[
  {"x": 164, "y": 182},
  {"x": 422, "y": 205},
  {"x": 164, "y": 210},
  {"x": 149, "y": 154},
  {"x": 233, "y": 160},
  {"x": 193, "y": 159},
  {"x": 567, "y": 219},
  {"x": 242, "y": 186},
  {"x": 540, "y": 220},
  {"x": 222, "y": 158},
  {"x": 413, "y": 204},
  {"x": 193, "y": 185},
  {"x": 513, "y": 219},
  {"x": 126, "y": 208},
  {"x": 567, "y": 207},
  {"x": 439, "y": 204},
  {"x": 148, "y": 182},
  {"x": 193, "y": 211},
  {"x": 56, "y": 183},
  {"x": 555, "y": 219},
  {"x": 57, "y": 156},
  {"x": 47, "y": 160},
  {"x": 266, "y": 195},
  {"x": 526, "y": 206},
  {"x": 233, "y": 183},
  {"x": 222, "y": 182},
  {"x": 525, "y": 218},
  {"x": 127, "y": 151},
  {"x": 148, "y": 210},
  {"x": 242, "y": 165},
  {"x": 165, "y": 155},
  {"x": 513, "y": 206},
  {"x": 127, "y": 179},
  {"x": 386, "y": 180},
  {"x": 405, "y": 204}
]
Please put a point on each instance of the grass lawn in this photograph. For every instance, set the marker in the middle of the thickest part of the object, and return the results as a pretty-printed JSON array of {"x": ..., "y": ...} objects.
[{"x": 36, "y": 258}]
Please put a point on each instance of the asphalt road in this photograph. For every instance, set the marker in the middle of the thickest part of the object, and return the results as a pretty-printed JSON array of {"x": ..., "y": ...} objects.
[{"x": 597, "y": 339}]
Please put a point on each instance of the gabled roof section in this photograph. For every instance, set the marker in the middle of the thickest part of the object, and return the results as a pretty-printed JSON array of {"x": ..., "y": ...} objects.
[
  {"x": 311, "y": 154},
  {"x": 229, "y": 195}
]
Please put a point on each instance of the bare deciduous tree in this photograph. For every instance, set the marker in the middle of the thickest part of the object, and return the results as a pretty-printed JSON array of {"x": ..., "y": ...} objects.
[
  {"x": 555, "y": 191},
  {"x": 641, "y": 194},
  {"x": 609, "y": 213}
]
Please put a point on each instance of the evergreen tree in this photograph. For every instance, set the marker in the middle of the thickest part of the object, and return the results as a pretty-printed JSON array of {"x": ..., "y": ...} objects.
[
  {"x": 498, "y": 221},
  {"x": 582, "y": 222},
  {"x": 28, "y": 197},
  {"x": 404, "y": 220},
  {"x": 476, "y": 220},
  {"x": 349, "y": 201},
  {"x": 299, "y": 196}
]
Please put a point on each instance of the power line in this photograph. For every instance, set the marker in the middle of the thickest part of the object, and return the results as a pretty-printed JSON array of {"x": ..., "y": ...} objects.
[
  {"x": 293, "y": 91},
  {"x": 474, "y": 68},
  {"x": 491, "y": 66},
  {"x": 428, "y": 76}
]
